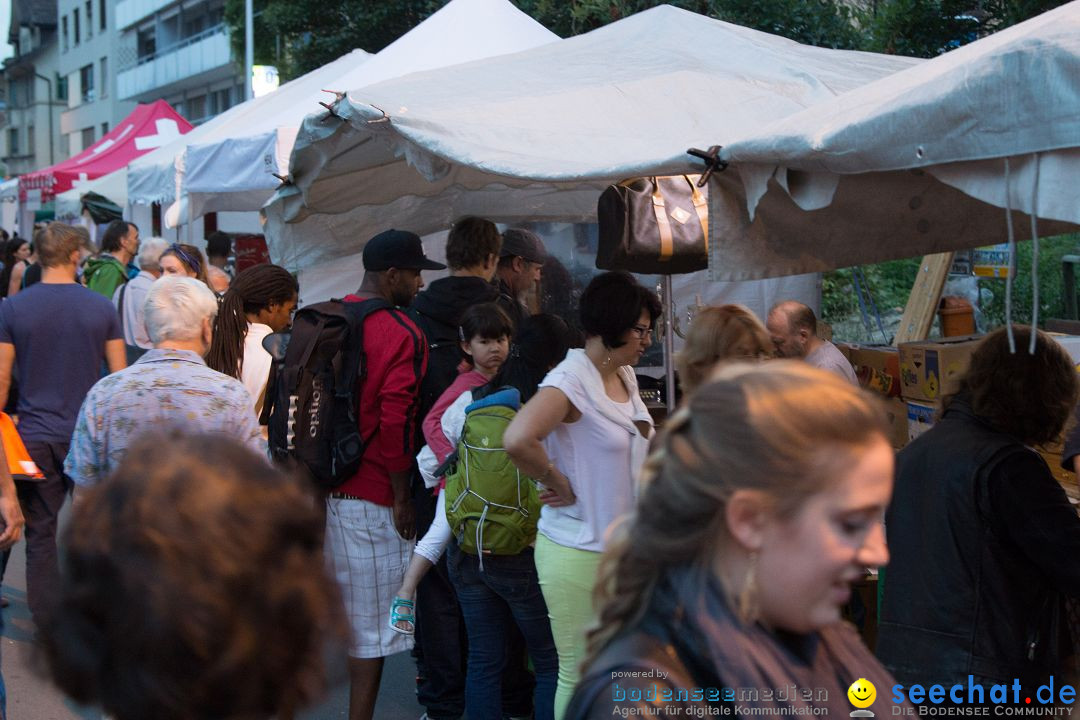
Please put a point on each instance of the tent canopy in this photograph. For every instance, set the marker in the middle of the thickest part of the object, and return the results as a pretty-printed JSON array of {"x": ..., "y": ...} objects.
[
  {"x": 916, "y": 162},
  {"x": 537, "y": 135},
  {"x": 152, "y": 179},
  {"x": 112, "y": 186},
  {"x": 230, "y": 167},
  {"x": 147, "y": 127}
]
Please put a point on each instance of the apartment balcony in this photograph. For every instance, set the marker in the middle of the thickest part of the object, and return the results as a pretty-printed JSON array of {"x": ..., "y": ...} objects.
[
  {"x": 129, "y": 12},
  {"x": 202, "y": 58}
]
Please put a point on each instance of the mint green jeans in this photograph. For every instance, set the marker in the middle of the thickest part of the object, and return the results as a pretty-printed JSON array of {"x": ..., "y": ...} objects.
[{"x": 567, "y": 576}]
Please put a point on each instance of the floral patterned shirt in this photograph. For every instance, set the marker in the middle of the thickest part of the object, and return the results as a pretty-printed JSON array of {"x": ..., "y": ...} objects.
[{"x": 163, "y": 389}]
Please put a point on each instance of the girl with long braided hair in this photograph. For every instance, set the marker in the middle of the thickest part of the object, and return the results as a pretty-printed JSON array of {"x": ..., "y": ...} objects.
[
  {"x": 764, "y": 503},
  {"x": 260, "y": 301}
]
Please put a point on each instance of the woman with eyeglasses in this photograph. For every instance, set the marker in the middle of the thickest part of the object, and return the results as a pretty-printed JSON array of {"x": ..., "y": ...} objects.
[
  {"x": 184, "y": 260},
  {"x": 261, "y": 300},
  {"x": 718, "y": 333},
  {"x": 584, "y": 437}
]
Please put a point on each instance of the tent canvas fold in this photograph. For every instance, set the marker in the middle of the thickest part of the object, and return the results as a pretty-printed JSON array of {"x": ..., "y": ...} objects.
[
  {"x": 232, "y": 167},
  {"x": 538, "y": 134}
]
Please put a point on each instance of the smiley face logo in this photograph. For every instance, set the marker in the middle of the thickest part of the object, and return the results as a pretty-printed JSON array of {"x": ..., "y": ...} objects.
[{"x": 862, "y": 693}]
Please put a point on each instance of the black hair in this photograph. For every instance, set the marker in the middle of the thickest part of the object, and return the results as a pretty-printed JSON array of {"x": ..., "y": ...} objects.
[
  {"x": 612, "y": 304},
  {"x": 218, "y": 244},
  {"x": 471, "y": 241},
  {"x": 486, "y": 320},
  {"x": 114, "y": 235},
  {"x": 254, "y": 289},
  {"x": 10, "y": 248},
  {"x": 540, "y": 344}
]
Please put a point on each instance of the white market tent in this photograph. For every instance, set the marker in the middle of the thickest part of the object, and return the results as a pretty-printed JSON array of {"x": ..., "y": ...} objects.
[
  {"x": 9, "y": 204},
  {"x": 998, "y": 119},
  {"x": 224, "y": 169},
  {"x": 537, "y": 135},
  {"x": 113, "y": 186},
  {"x": 152, "y": 178}
]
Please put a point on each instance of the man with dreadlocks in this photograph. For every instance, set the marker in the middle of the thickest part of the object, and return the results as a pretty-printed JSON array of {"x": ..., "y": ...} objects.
[{"x": 260, "y": 301}]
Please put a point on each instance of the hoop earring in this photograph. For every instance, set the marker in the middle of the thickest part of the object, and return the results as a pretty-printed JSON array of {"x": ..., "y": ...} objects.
[
  {"x": 748, "y": 597},
  {"x": 607, "y": 361}
]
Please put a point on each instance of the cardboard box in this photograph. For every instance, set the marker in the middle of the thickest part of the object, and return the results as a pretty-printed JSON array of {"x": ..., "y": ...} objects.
[
  {"x": 930, "y": 369},
  {"x": 920, "y": 417},
  {"x": 897, "y": 414},
  {"x": 877, "y": 367}
]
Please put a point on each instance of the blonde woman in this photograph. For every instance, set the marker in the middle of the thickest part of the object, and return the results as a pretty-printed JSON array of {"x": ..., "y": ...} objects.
[
  {"x": 723, "y": 332},
  {"x": 762, "y": 507}
]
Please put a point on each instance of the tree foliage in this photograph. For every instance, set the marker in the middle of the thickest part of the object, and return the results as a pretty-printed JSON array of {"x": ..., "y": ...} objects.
[
  {"x": 926, "y": 28},
  {"x": 300, "y": 35}
]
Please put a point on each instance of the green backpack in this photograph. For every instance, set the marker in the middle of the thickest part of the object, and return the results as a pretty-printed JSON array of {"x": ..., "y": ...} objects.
[{"x": 492, "y": 508}]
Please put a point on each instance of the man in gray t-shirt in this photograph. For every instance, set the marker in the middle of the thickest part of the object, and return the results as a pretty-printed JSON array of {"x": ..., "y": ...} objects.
[{"x": 793, "y": 329}]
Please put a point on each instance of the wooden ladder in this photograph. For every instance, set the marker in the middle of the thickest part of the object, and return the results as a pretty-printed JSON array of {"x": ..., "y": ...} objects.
[{"x": 924, "y": 298}]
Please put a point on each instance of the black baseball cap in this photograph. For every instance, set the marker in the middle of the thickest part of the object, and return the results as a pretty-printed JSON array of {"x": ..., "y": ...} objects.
[
  {"x": 397, "y": 249},
  {"x": 519, "y": 242}
]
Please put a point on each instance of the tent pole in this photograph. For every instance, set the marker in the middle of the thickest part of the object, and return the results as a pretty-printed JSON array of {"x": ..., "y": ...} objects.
[{"x": 669, "y": 342}]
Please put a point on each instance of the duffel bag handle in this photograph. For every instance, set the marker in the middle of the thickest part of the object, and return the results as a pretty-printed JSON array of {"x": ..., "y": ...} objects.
[{"x": 701, "y": 207}]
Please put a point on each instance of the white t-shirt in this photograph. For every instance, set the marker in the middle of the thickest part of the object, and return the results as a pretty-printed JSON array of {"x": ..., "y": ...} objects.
[
  {"x": 256, "y": 369},
  {"x": 828, "y": 357},
  {"x": 599, "y": 455}
]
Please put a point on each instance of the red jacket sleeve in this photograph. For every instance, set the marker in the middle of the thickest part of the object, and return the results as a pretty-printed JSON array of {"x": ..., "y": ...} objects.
[
  {"x": 432, "y": 425},
  {"x": 403, "y": 358}
]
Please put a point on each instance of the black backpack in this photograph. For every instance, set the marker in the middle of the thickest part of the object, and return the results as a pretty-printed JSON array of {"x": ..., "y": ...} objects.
[
  {"x": 311, "y": 397},
  {"x": 444, "y": 357}
]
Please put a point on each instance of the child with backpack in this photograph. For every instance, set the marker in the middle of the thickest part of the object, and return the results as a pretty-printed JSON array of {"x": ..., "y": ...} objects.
[
  {"x": 484, "y": 335},
  {"x": 492, "y": 511}
]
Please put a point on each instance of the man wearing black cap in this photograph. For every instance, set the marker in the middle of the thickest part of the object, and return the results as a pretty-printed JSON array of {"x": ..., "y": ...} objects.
[
  {"x": 370, "y": 520},
  {"x": 520, "y": 262}
]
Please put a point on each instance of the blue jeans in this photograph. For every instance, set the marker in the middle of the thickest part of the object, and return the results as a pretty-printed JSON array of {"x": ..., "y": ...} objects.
[{"x": 505, "y": 592}]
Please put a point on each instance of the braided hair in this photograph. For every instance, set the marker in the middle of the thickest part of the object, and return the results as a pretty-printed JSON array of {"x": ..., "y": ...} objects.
[{"x": 253, "y": 289}]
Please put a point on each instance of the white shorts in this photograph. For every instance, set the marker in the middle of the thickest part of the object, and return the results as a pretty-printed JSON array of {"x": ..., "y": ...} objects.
[{"x": 368, "y": 559}]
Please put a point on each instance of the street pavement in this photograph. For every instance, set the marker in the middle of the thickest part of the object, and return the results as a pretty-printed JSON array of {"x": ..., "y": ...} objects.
[{"x": 30, "y": 696}]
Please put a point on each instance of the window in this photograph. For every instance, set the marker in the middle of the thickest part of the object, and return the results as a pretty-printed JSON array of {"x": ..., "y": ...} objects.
[
  {"x": 196, "y": 108},
  {"x": 101, "y": 14},
  {"x": 86, "y": 80},
  {"x": 30, "y": 139},
  {"x": 104, "y": 77},
  {"x": 13, "y": 141},
  {"x": 219, "y": 101},
  {"x": 61, "y": 87},
  {"x": 75, "y": 22},
  {"x": 104, "y": 129},
  {"x": 64, "y": 33},
  {"x": 146, "y": 43},
  {"x": 89, "y": 18},
  {"x": 87, "y": 137}
]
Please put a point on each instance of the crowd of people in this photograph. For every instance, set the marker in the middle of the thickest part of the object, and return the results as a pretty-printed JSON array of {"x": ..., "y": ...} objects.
[{"x": 517, "y": 520}]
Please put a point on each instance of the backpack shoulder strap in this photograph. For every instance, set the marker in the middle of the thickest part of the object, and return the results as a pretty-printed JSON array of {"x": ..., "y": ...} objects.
[
  {"x": 120, "y": 305},
  {"x": 354, "y": 351}
]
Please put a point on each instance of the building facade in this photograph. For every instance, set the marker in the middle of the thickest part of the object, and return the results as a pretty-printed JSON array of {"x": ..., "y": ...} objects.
[
  {"x": 87, "y": 37},
  {"x": 30, "y": 137},
  {"x": 178, "y": 51}
]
